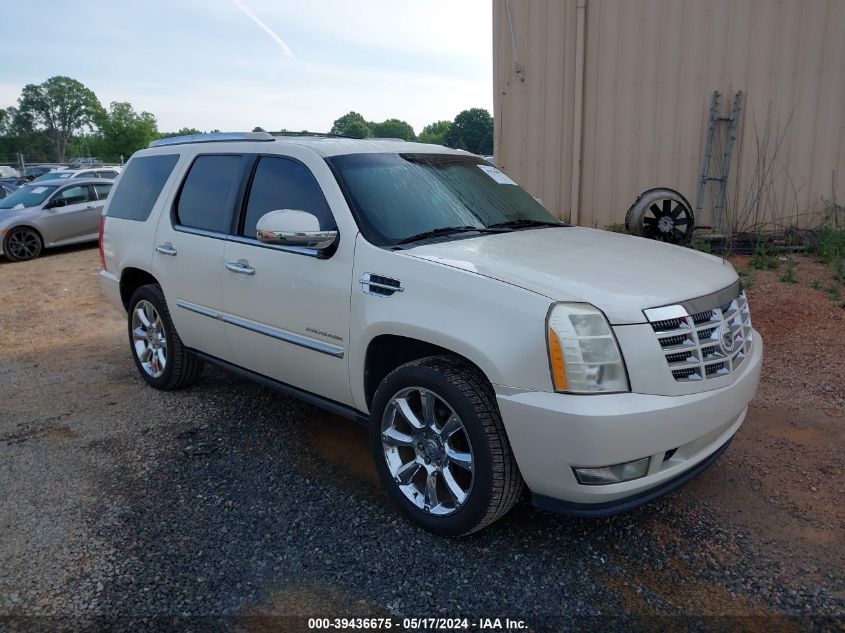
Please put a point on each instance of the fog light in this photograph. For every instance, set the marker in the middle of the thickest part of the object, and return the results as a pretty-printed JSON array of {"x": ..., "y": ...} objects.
[{"x": 612, "y": 474}]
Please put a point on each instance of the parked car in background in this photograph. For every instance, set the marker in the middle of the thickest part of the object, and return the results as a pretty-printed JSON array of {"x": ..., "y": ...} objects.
[
  {"x": 6, "y": 189},
  {"x": 51, "y": 213},
  {"x": 9, "y": 172},
  {"x": 34, "y": 171},
  {"x": 105, "y": 172},
  {"x": 419, "y": 290},
  {"x": 79, "y": 163}
]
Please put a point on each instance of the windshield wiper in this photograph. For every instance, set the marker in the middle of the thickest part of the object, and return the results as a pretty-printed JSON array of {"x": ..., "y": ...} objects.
[
  {"x": 446, "y": 230},
  {"x": 524, "y": 223}
]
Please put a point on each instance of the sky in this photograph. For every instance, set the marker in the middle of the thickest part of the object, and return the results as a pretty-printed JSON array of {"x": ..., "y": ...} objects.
[{"x": 236, "y": 64}]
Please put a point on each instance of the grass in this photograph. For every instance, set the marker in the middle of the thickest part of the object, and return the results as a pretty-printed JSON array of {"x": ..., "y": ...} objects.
[
  {"x": 763, "y": 258},
  {"x": 615, "y": 228},
  {"x": 816, "y": 284},
  {"x": 748, "y": 277},
  {"x": 834, "y": 292},
  {"x": 831, "y": 246},
  {"x": 701, "y": 245},
  {"x": 788, "y": 276}
]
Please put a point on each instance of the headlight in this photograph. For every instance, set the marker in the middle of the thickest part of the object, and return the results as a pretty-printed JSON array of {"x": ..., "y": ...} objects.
[{"x": 583, "y": 354}]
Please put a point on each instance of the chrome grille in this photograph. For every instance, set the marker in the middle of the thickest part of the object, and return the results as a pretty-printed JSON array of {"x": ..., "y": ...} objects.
[{"x": 709, "y": 343}]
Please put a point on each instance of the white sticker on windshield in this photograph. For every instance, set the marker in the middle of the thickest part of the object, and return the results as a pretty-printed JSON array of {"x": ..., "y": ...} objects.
[
  {"x": 497, "y": 175},
  {"x": 39, "y": 190},
  {"x": 19, "y": 205}
]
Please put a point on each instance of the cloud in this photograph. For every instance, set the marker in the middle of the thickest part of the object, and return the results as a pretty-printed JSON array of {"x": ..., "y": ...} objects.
[{"x": 288, "y": 52}]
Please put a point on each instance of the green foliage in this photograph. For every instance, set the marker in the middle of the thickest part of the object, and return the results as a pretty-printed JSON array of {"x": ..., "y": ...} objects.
[
  {"x": 834, "y": 292},
  {"x": 258, "y": 128},
  {"x": 352, "y": 124},
  {"x": 185, "y": 131},
  {"x": 701, "y": 245},
  {"x": 435, "y": 133},
  {"x": 123, "y": 132},
  {"x": 393, "y": 128},
  {"x": 763, "y": 258},
  {"x": 61, "y": 106},
  {"x": 816, "y": 284},
  {"x": 748, "y": 277},
  {"x": 788, "y": 276},
  {"x": 472, "y": 130},
  {"x": 615, "y": 228},
  {"x": 831, "y": 246},
  {"x": 839, "y": 271}
]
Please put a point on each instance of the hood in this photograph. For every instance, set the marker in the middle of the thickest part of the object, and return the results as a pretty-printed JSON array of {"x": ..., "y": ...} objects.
[{"x": 620, "y": 274}]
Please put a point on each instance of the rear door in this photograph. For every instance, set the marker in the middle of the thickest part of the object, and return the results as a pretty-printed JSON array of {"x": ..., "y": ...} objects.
[
  {"x": 190, "y": 240},
  {"x": 77, "y": 216}
]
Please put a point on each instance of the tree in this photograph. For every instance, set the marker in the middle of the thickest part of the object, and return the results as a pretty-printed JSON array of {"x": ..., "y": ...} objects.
[
  {"x": 62, "y": 106},
  {"x": 185, "y": 131},
  {"x": 435, "y": 132},
  {"x": 393, "y": 128},
  {"x": 124, "y": 131},
  {"x": 472, "y": 130},
  {"x": 352, "y": 124},
  {"x": 258, "y": 128}
]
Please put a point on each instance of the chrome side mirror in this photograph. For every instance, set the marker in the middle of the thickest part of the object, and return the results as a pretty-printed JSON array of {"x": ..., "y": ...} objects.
[{"x": 293, "y": 228}]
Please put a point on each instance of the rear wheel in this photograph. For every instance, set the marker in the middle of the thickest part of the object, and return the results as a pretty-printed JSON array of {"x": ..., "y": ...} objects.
[
  {"x": 161, "y": 358},
  {"x": 22, "y": 244},
  {"x": 440, "y": 446}
]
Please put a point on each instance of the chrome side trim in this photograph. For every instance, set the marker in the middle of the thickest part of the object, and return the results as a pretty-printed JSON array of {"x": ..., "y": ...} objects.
[
  {"x": 194, "y": 231},
  {"x": 299, "y": 250},
  {"x": 281, "y": 335}
]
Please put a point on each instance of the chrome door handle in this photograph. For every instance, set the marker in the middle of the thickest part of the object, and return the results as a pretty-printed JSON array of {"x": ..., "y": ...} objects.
[
  {"x": 241, "y": 267},
  {"x": 166, "y": 249}
]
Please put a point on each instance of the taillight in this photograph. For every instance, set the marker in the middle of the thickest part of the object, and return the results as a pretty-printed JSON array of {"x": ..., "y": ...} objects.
[{"x": 100, "y": 240}]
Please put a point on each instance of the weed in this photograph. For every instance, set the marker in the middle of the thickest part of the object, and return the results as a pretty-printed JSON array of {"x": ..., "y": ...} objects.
[
  {"x": 833, "y": 292},
  {"x": 816, "y": 284},
  {"x": 748, "y": 277},
  {"x": 831, "y": 246},
  {"x": 701, "y": 245},
  {"x": 839, "y": 271},
  {"x": 615, "y": 228},
  {"x": 763, "y": 258},
  {"x": 788, "y": 276}
]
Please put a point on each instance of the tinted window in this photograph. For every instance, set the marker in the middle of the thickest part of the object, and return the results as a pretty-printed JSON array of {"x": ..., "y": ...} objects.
[
  {"x": 207, "y": 196},
  {"x": 107, "y": 174},
  {"x": 281, "y": 183},
  {"x": 102, "y": 191},
  {"x": 140, "y": 186},
  {"x": 73, "y": 195}
]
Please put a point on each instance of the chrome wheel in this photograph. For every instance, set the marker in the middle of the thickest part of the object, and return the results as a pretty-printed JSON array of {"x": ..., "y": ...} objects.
[
  {"x": 148, "y": 338},
  {"x": 427, "y": 451},
  {"x": 24, "y": 244}
]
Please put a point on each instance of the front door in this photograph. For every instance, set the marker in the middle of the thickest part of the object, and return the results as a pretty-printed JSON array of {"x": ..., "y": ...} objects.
[
  {"x": 288, "y": 309},
  {"x": 77, "y": 216}
]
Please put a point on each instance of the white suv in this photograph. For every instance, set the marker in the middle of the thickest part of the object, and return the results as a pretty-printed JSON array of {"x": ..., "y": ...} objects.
[{"x": 418, "y": 290}]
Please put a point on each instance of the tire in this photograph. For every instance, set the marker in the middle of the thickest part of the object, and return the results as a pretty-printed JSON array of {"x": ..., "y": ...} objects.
[
  {"x": 661, "y": 214},
  {"x": 460, "y": 389},
  {"x": 180, "y": 368},
  {"x": 22, "y": 244}
]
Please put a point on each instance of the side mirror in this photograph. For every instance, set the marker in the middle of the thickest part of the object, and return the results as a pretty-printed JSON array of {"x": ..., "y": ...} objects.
[
  {"x": 58, "y": 202},
  {"x": 293, "y": 228}
]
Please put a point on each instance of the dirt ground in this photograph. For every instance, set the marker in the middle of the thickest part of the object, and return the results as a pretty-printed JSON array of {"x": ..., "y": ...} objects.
[{"x": 92, "y": 463}]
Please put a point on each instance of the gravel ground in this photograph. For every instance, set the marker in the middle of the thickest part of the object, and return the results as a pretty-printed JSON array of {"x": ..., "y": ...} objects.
[{"x": 228, "y": 499}]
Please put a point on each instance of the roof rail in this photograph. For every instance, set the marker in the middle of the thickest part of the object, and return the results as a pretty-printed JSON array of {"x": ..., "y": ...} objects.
[{"x": 211, "y": 137}]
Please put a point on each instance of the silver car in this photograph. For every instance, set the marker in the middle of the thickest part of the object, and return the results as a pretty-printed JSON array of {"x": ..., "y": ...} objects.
[{"x": 51, "y": 213}]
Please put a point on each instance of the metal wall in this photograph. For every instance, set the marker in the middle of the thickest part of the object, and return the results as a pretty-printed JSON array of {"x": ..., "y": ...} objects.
[{"x": 613, "y": 96}]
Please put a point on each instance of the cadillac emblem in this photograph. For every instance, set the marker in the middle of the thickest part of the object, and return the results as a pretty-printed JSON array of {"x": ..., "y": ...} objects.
[{"x": 727, "y": 339}]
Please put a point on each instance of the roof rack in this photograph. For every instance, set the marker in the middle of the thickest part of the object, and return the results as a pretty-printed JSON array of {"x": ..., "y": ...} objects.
[
  {"x": 319, "y": 134},
  {"x": 211, "y": 137}
]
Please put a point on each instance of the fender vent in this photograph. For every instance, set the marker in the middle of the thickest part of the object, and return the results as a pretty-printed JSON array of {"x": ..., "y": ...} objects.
[{"x": 380, "y": 286}]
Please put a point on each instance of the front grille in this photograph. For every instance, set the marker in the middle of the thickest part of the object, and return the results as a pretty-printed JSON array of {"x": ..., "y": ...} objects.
[{"x": 707, "y": 344}]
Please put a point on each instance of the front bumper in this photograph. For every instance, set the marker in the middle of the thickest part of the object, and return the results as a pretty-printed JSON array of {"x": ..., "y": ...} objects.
[{"x": 551, "y": 433}]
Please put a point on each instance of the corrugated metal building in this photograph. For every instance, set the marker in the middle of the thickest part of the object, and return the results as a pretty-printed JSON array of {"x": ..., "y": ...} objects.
[{"x": 598, "y": 100}]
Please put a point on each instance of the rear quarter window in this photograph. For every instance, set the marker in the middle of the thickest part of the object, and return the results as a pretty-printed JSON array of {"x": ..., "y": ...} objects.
[{"x": 140, "y": 186}]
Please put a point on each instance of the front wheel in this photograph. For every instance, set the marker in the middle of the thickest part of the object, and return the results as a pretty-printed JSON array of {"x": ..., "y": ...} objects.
[
  {"x": 161, "y": 358},
  {"x": 22, "y": 244},
  {"x": 440, "y": 446}
]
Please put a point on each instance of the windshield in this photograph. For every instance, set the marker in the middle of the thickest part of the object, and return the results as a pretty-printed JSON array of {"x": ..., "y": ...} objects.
[
  {"x": 399, "y": 196},
  {"x": 29, "y": 196},
  {"x": 55, "y": 175}
]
